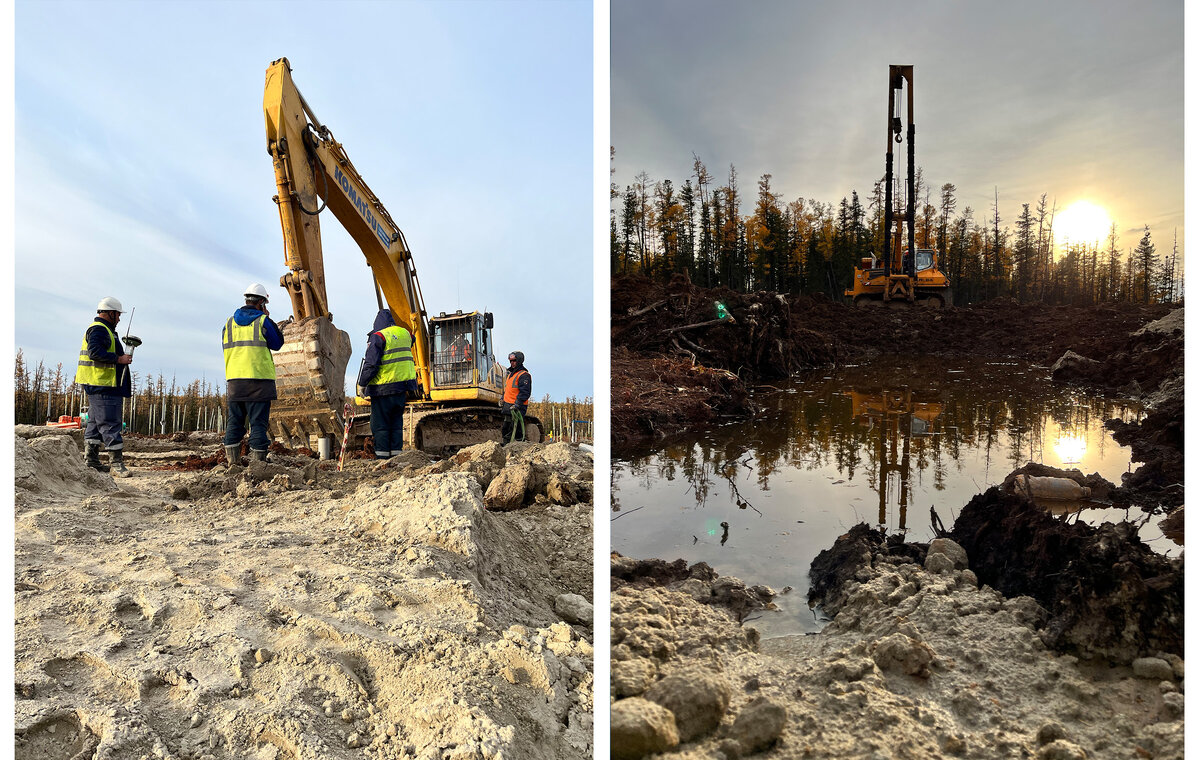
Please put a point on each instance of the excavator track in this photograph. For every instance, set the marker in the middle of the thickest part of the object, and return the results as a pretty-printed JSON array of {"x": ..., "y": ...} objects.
[
  {"x": 442, "y": 432},
  {"x": 938, "y": 298},
  {"x": 310, "y": 379},
  {"x": 445, "y": 431}
]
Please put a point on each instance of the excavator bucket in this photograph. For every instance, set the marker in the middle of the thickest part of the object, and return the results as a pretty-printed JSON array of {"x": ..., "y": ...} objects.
[{"x": 310, "y": 379}]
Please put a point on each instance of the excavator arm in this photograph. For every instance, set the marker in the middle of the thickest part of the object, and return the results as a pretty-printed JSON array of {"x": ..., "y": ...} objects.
[{"x": 314, "y": 174}]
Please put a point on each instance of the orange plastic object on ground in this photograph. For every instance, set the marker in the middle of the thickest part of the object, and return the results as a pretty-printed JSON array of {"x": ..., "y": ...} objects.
[{"x": 66, "y": 422}]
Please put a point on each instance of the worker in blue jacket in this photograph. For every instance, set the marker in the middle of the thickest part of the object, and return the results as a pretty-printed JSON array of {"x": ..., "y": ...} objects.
[
  {"x": 387, "y": 376},
  {"x": 247, "y": 340},
  {"x": 106, "y": 380},
  {"x": 518, "y": 387}
]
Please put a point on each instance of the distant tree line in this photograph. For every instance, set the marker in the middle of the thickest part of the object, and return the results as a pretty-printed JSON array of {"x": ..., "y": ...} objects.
[
  {"x": 43, "y": 394},
  {"x": 658, "y": 228},
  {"x": 570, "y": 420}
]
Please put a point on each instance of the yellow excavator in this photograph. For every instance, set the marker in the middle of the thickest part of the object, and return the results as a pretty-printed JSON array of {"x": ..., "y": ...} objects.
[
  {"x": 904, "y": 275},
  {"x": 460, "y": 382}
]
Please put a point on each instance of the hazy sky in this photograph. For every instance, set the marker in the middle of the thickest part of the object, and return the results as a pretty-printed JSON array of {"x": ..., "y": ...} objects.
[
  {"x": 1073, "y": 98},
  {"x": 142, "y": 170}
]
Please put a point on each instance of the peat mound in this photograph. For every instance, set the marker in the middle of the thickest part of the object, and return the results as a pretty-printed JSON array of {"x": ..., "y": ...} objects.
[
  {"x": 655, "y": 396},
  {"x": 1157, "y": 441},
  {"x": 816, "y": 330},
  {"x": 758, "y": 339},
  {"x": 1108, "y": 594},
  {"x": 1149, "y": 363},
  {"x": 678, "y": 361}
]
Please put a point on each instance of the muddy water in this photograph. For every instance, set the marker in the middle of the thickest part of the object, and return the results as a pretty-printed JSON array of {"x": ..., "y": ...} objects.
[{"x": 880, "y": 444}]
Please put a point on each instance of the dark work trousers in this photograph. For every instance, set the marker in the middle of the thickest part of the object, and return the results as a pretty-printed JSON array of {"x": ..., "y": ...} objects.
[
  {"x": 104, "y": 420},
  {"x": 387, "y": 424},
  {"x": 248, "y": 413}
]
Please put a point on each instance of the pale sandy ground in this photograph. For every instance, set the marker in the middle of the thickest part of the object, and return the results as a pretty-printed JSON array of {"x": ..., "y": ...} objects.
[
  {"x": 284, "y": 611},
  {"x": 917, "y": 664}
]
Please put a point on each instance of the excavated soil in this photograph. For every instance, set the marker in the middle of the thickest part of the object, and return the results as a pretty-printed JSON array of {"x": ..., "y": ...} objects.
[
  {"x": 285, "y": 610},
  {"x": 922, "y": 660}
]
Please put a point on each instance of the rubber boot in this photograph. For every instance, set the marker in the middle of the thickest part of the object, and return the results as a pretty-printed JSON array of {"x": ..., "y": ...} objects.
[
  {"x": 258, "y": 456},
  {"x": 91, "y": 454},
  {"x": 233, "y": 454},
  {"x": 117, "y": 464}
]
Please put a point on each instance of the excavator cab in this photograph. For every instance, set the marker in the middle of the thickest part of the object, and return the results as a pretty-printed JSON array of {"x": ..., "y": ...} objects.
[{"x": 461, "y": 350}]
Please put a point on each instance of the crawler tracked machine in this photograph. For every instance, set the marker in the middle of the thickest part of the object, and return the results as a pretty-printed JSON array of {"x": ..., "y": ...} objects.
[
  {"x": 461, "y": 383},
  {"x": 903, "y": 275}
]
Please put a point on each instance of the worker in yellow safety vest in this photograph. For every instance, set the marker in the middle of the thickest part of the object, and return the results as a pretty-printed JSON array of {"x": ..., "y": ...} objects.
[
  {"x": 388, "y": 374},
  {"x": 105, "y": 386},
  {"x": 248, "y": 339},
  {"x": 518, "y": 386}
]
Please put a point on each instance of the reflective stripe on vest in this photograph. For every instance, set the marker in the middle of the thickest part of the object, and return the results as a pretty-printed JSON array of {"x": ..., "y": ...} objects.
[
  {"x": 92, "y": 372},
  {"x": 511, "y": 391},
  {"x": 396, "y": 363},
  {"x": 247, "y": 356}
]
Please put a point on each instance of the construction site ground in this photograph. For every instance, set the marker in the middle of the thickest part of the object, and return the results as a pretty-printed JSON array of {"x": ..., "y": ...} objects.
[
  {"x": 411, "y": 608},
  {"x": 1026, "y": 636}
]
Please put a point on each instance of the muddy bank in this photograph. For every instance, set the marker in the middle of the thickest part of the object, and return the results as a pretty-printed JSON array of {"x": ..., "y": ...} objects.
[
  {"x": 921, "y": 661},
  {"x": 1105, "y": 595},
  {"x": 283, "y": 610}
]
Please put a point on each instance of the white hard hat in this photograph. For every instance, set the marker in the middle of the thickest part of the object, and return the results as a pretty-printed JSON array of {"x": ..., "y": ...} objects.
[
  {"x": 257, "y": 290},
  {"x": 108, "y": 303}
]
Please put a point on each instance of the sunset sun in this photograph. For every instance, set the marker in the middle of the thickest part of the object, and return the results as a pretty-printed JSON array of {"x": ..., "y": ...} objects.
[{"x": 1082, "y": 222}]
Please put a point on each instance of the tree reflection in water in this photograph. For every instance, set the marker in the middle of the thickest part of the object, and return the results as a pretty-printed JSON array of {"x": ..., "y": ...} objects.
[{"x": 895, "y": 434}]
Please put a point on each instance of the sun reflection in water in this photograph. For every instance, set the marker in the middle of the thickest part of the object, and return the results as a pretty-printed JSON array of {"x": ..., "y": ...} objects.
[{"x": 1070, "y": 448}]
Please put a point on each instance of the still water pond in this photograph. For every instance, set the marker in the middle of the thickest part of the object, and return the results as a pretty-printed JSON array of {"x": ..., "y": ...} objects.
[{"x": 879, "y": 444}]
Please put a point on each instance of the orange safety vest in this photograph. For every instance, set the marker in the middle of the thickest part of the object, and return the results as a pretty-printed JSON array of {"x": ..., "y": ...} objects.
[{"x": 511, "y": 391}]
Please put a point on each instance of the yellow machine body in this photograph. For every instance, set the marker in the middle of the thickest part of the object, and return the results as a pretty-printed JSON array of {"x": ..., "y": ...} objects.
[{"x": 903, "y": 275}]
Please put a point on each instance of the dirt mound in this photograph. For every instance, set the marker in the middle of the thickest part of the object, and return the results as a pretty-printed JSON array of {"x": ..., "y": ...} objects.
[
  {"x": 700, "y": 581},
  {"x": 918, "y": 663},
  {"x": 52, "y": 466},
  {"x": 290, "y": 612},
  {"x": 759, "y": 339},
  {"x": 832, "y": 569},
  {"x": 1108, "y": 594},
  {"x": 29, "y": 432}
]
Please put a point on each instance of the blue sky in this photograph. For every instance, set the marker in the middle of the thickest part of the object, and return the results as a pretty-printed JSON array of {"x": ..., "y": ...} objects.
[
  {"x": 1077, "y": 99},
  {"x": 141, "y": 168}
]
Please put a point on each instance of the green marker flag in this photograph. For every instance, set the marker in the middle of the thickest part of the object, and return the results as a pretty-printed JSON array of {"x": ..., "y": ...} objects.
[{"x": 722, "y": 312}]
